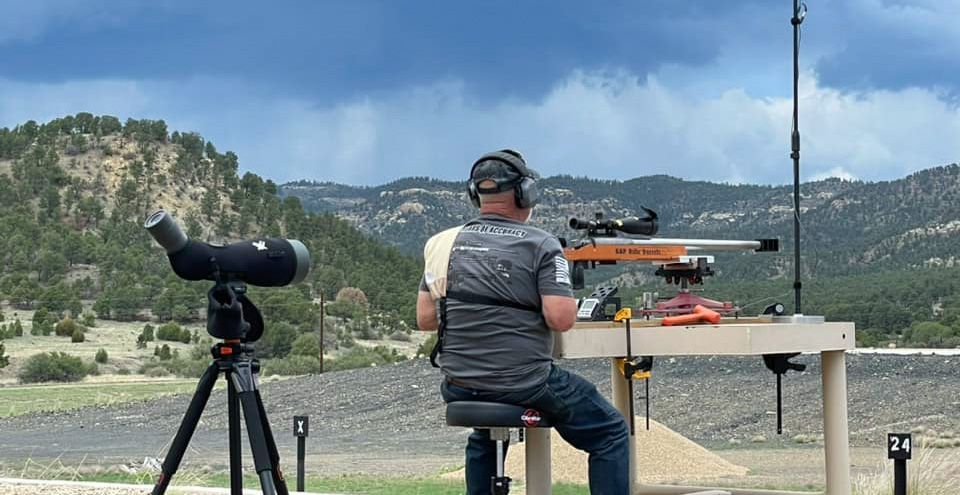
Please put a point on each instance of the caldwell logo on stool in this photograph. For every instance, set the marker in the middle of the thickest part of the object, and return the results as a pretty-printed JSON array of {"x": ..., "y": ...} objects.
[{"x": 531, "y": 418}]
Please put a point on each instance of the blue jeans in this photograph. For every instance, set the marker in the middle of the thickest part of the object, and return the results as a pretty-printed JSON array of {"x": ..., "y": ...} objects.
[{"x": 583, "y": 417}]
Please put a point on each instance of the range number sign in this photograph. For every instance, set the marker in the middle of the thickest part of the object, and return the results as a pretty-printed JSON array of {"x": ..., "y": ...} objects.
[{"x": 899, "y": 446}]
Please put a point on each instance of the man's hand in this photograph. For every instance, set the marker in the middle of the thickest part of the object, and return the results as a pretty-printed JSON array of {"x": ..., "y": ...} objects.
[
  {"x": 427, "y": 312},
  {"x": 560, "y": 312}
]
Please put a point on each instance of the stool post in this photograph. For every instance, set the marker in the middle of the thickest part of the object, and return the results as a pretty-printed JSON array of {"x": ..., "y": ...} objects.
[
  {"x": 500, "y": 459},
  {"x": 500, "y": 484}
]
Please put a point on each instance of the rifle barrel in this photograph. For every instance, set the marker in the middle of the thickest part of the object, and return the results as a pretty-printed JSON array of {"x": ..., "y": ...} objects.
[{"x": 690, "y": 244}]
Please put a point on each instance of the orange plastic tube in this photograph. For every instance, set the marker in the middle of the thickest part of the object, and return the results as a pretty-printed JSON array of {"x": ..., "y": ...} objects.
[{"x": 700, "y": 315}]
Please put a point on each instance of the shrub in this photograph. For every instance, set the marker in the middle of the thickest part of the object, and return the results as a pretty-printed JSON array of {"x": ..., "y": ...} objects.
[
  {"x": 361, "y": 328},
  {"x": 66, "y": 327},
  {"x": 147, "y": 333},
  {"x": 363, "y": 357},
  {"x": 292, "y": 365},
  {"x": 424, "y": 349},
  {"x": 89, "y": 319},
  {"x": 931, "y": 334},
  {"x": 43, "y": 322},
  {"x": 925, "y": 477},
  {"x": 154, "y": 371},
  {"x": 40, "y": 315},
  {"x": 307, "y": 344},
  {"x": 185, "y": 336},
  {"x": 54, "y": 367},
  {"x": 277, "y": 340},
  {"x": 4, "y": 359},
  {"x": 18, "y": 328},
  {"x": 200, "y": 352},
  {"x": 164, "y": 353},
  {"x": 101, "y": 356},
  {"x": 190, "y": 368},
  {"x": 78, "y": 336},
  {"x": 170, "y": 332},
  {"x": 341, "y": 309}
]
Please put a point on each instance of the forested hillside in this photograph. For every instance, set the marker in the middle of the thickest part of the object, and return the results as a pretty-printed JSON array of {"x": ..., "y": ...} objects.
[
  {"x": 882, "y": 254},
  {"x": 73, "y": 196}
]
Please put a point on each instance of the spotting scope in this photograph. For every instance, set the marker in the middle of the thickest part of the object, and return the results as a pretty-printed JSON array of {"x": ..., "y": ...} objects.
[
  {"x": 647, "y": 224},
  {"x": 263, "y": 262}
]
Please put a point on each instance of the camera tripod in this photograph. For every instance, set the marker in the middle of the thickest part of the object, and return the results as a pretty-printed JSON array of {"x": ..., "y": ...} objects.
[{"x": 231, "y": 314}]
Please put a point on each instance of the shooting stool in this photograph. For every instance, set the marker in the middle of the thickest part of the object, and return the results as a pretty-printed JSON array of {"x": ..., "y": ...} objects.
[{"x": 498, "y": 418}]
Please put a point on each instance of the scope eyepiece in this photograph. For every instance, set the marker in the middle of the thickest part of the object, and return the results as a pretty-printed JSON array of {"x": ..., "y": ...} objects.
[{"x": 166, "y": 232}]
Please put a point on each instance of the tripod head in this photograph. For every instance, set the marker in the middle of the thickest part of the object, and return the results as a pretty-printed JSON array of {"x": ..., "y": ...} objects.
[{"x": 231, "y": 315}]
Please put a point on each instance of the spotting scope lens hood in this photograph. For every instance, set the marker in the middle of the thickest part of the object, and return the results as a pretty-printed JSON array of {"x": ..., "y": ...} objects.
[{"x": 262, "y": 262}]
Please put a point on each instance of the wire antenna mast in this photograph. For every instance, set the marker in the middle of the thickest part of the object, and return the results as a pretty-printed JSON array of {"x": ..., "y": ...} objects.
[{"x": 799, "y": 13}]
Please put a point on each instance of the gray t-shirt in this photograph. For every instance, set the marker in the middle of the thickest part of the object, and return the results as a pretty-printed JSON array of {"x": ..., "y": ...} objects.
[{"x": 501, "y": 348}]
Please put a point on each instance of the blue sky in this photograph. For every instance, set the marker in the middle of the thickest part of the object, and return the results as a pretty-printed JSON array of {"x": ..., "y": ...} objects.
[{"x": 368, "y": 91}]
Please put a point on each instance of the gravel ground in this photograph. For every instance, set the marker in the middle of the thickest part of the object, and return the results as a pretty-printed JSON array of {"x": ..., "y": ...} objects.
[{"x": 390, "y": 419}]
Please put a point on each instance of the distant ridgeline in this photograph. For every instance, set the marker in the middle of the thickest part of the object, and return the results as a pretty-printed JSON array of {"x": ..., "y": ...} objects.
[
  {"x": 73, "y": 196},
  {"x": 884, "y": 254}
]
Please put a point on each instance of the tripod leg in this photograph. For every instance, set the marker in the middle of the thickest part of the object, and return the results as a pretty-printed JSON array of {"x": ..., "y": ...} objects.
[
  {"x": 243, "y": 378},
  {"x": 189, "y": 424},
  {"x": 236, "y": 456},
  {"x": 278, "y": 478}
]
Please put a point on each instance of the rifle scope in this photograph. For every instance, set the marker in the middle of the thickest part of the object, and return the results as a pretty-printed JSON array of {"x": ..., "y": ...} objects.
[{"x": 647, "y": 225}]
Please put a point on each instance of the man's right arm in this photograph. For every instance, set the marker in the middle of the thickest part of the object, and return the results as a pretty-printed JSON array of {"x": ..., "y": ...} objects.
[
  {"x": 560, "y": 312},
  {"x": 426, "y": 312},
  {"x": 556, "y": 291},
  {"x": 426, "y": 309}
]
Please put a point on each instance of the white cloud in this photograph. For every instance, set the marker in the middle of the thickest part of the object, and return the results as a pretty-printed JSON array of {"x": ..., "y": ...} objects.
[
  {"x": 835, "y": 172},
  {"x": 609, "y": 125}
]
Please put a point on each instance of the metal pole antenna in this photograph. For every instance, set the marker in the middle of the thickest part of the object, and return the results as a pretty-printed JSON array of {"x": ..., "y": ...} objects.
[
  {"x": 799, "y": 12},
  {"x": 321, "y": 330}
]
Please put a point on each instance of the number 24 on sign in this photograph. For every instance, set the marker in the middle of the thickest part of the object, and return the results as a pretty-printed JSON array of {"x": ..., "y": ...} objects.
[{"x": 899, "y": 446}]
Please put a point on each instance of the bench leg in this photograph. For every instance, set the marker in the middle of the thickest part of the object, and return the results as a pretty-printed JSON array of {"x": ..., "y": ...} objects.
[
  {"x": 621, "y": 400},
  {"x": 836, "y": 435},
  {"x": 539, "y": 478}
]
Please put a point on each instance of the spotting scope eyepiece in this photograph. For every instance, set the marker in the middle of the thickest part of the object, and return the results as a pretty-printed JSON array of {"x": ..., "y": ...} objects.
[
  {"x": 647, "y": 224},
  {"x": 263, "y": 262}
]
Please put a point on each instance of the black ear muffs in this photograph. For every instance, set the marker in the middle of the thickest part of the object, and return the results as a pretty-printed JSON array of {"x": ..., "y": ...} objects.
[
  {"x": 473, "y": 194},
  {"x": 526, "y": 194}
]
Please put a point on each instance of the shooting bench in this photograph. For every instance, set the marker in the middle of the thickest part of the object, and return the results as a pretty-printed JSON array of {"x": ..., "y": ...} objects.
[{"x": 607, "y": 339}]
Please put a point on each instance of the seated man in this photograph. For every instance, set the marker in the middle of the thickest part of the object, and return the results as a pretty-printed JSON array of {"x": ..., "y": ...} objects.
[{"x": 497, "y": 288}]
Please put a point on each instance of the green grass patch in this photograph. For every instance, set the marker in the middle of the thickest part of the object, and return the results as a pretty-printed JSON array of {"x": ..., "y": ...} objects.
[
  {"x": 348, "y": 485},
  {"x": 29, "y": 399}
]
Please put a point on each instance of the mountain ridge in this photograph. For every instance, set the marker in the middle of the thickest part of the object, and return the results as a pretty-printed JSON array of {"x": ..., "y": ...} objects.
[{"x": 849, "y": 224}]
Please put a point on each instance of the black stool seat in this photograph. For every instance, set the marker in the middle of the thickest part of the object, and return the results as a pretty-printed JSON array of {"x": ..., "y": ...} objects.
[{"x": 476, "y": 414}]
